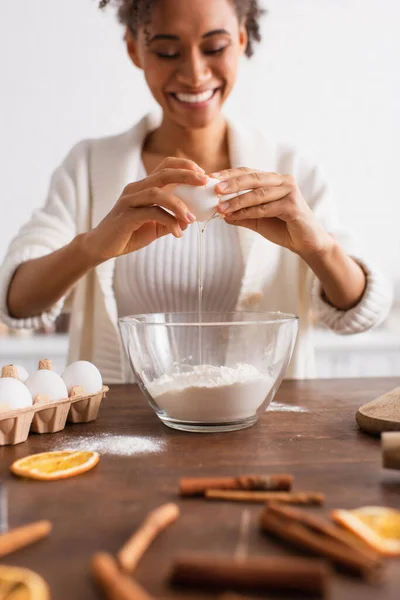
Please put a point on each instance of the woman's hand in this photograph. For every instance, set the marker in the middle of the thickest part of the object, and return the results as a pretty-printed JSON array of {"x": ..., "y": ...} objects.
[
  {"x": 274, "y": 208},
  {"x": 141, "y": 216}
]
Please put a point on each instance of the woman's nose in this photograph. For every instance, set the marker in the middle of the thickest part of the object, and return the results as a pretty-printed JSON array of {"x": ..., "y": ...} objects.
[{"x": 194, "y": 70}]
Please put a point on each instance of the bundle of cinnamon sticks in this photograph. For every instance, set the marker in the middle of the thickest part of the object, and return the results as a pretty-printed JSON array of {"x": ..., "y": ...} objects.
[
  {"x": 198, "y": 486},
  {"x": 248, "y": 488},
  {"x": 319, "y": 536}
]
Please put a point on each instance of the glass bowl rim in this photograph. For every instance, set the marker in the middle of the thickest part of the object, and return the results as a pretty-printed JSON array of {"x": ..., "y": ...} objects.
[{"x": 263, "y": 319}]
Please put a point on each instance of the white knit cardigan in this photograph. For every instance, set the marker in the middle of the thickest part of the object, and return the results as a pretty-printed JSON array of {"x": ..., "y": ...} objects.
[{"x": 90, "y": 180}]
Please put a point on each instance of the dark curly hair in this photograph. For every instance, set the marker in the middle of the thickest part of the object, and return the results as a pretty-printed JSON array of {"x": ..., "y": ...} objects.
[{"x": 134, "y": 13}]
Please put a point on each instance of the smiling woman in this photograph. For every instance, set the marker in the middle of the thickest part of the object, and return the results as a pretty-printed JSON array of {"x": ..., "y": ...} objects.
[
  {"x": 134, "y": 13},
  {"x": 109, "y": 236},
  {"x": 178, "y": 60}
]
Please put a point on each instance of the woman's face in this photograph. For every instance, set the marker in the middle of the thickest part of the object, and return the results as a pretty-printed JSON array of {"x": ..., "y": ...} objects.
[{"x": 190, "y": 54}]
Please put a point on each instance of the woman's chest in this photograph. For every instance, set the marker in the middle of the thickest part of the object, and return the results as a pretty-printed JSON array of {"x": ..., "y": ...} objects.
[{"x": 164, "y": 276}]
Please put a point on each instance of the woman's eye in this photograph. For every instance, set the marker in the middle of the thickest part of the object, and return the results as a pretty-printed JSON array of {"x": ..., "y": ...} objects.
[
  {"x": 207, "y": 52},
  {"x": 166, "y": 55},
  {"x": 215, "y": 51}
]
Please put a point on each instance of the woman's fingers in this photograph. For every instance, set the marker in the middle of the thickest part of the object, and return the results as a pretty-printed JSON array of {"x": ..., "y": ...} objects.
[
  {"x": 281, "y": 209},
  {"x": 166, "y": 177},
  {"x": 157, "y": 188},
  {"x": 156, "y": 197},
  {"x": 227, "y": 173},
  {"x": 241, "y": 179},
  {"x": 140, "y": 216},
  {"x": 256, "y": 197},
  {"x": 173, "y": 162}
]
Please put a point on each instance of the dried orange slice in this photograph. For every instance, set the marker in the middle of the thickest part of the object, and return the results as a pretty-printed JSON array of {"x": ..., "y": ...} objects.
[
  {"x": 378, "y": 526},
  {"x": 49, "y": 466},
  {"x": 22, "y": 584}
]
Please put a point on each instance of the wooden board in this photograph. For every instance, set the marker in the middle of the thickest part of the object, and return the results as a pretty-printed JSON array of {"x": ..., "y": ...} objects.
[
  {"x": 313, "y": 436},
  {"x": 381, "y": 414}
]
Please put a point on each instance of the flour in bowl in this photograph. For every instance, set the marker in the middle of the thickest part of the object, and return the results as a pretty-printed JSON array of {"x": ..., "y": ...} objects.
[{"x": 210, "y": 394}]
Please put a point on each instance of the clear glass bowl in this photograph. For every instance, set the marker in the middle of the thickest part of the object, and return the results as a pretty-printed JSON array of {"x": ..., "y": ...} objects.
[{"x": 219, "y": 374}]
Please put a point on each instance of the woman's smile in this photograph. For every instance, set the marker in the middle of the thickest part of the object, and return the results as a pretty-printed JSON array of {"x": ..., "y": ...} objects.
[{"x": 195, "y": 100}]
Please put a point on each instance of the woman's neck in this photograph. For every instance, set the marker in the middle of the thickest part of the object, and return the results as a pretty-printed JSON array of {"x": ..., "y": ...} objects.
[{"x": 208, "y": 147}]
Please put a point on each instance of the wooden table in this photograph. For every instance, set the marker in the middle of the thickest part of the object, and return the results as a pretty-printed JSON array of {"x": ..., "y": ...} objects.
[{"x": 321, "y": 447}]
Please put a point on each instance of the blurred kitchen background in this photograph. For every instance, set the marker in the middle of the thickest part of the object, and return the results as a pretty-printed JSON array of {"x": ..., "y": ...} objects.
[{"x": 326, "y": 79}]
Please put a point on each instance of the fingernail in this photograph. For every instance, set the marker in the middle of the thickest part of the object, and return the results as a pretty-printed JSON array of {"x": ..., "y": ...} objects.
[
  {"x": 180, "y": 233},
  {"x": 215, "y": 175},
  {"x": 190, "y": 217},
  {"x": 223, "y": 185},
  {"x": 223, "y": 206}
]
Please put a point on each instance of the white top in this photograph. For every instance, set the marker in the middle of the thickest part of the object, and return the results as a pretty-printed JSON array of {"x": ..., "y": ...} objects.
[
  {"x": 163, "y": 277},
  {"x": 90, "y": 180}
]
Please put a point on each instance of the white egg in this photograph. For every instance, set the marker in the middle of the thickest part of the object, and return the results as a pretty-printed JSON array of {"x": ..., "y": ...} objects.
[
  {"x": 14, "y": 394},
  {"x": 84, "y": 374},
  {"x": 47, "y": 383},
  {"x": 22, "y": 373},
  {"x": 203, "y": 201}
]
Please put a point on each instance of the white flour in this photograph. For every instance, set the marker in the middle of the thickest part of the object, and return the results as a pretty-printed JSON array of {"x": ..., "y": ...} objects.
[
  {"x": 279, "y": 407},
  {"x": 211, "y": 394},
  {"x": 120, "y": 445}
]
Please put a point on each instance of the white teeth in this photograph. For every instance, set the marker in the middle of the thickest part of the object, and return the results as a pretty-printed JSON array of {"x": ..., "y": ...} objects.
[{"x": 195, "y": 98}]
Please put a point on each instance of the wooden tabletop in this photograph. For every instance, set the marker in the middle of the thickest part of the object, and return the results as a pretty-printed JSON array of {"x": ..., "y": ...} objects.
[{"x": 317, "y": 440}]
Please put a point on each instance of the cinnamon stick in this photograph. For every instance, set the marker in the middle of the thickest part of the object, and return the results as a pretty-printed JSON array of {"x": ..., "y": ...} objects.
[
  {"x": 325, "y": 527},
  {"x": 155, "y": 522},
  {"x": 193, "y": 486},
  {"x": 17, "y": 538},
  {"x": 255, "y": 574},
  {"x": 303, "y": 537},
  {"x": 115, "y": 584},
  {"x": 249, "y": 496}
]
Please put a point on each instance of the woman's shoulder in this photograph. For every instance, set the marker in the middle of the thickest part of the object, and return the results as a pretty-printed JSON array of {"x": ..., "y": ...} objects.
[
  {"x": 107, "y": 147},
  {"x": 254, "y": 147},
  {"x": 82, "y": 150}
]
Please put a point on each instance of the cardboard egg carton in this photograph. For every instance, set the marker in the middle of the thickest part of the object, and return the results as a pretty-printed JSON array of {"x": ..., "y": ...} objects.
[
  {"x": 83, "y": 408},
  {"x": 46, "y": 416}
]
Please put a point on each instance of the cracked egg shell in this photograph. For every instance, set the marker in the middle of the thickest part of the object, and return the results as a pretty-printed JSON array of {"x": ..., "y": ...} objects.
[{"x": 202, "y": 201}]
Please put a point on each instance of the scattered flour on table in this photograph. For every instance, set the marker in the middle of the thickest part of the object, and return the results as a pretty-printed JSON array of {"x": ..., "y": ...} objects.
[
  {"x": 279, "y": 407},
  {"x": 210, "y": 394},
  {"x": 120, "y": 445}
]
